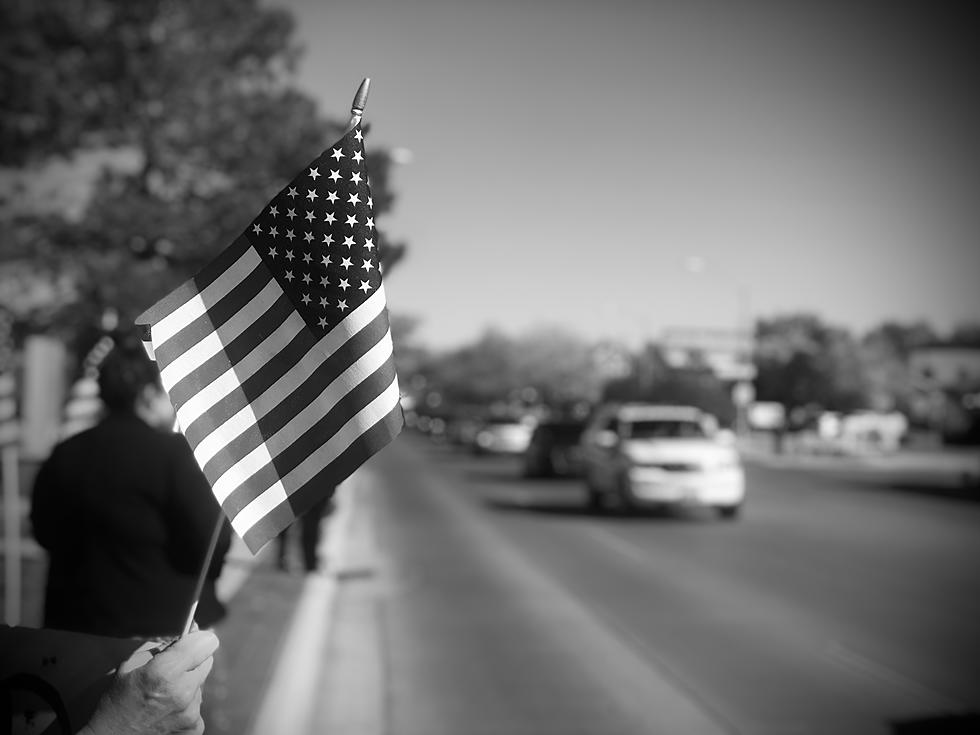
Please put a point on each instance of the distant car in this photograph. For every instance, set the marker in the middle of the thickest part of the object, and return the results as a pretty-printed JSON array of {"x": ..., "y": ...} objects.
[
  {"x": 554, "y": 449},
  {"x": 502, "y": 435},
  {"x": 651, "y": 455}
]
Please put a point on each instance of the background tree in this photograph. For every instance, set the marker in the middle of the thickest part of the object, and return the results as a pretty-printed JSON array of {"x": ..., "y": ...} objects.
[
  {"x": 143, "y": 137},
  {"x": 885, "y": 352}
]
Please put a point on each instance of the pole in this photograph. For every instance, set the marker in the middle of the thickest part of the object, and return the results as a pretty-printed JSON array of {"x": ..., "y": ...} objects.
[
  {"x": 360, "y": 100},
  {"x": 203, "y": 574},
  {"x": 12, "y": 546}
]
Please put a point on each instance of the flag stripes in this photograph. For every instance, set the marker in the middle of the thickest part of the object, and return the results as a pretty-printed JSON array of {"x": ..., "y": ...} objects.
[{"x": 262, "y": 419}]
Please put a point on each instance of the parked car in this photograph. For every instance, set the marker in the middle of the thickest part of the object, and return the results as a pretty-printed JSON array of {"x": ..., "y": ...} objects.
[
  {"x": 502, "y": 435},
  {"x": 652, "y": 455},
  {"x": 554, "y": 449}
]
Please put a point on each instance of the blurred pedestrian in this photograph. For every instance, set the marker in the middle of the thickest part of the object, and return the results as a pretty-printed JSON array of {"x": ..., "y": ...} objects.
[
  {"x": 310, "y": 532},
  {"x": 126, "y": 515}
]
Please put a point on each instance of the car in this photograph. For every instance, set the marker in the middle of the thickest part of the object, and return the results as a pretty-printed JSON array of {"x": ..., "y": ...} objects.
[
  {"x": 502, "y": 435},
  {"x": 554, "y": 449},
  {"x": 651, "y": 455}
]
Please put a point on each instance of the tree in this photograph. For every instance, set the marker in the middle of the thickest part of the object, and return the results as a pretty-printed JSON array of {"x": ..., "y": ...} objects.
[
  {"x": 187, "y": 109},
  {"x": 885, "y": 354},
  {"x": 801, "y": 361}
]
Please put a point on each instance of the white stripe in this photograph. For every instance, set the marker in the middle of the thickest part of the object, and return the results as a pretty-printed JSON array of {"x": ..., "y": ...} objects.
[
  {"x": 361, "y": 422},
  {"x": 214, "y": 342},
  {"x": 302, "y": 422},
  {"x": 202, "y": 401},
  {"x": 273, "y": 395},
  {"x": 198, "y": 305}
]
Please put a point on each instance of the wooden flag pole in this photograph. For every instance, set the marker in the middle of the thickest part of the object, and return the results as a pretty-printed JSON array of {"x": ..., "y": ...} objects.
[{"x": 356, "y": 111}]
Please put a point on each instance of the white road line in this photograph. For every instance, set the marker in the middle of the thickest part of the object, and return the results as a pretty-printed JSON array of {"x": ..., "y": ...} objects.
[{"x": 289, "y": 702}]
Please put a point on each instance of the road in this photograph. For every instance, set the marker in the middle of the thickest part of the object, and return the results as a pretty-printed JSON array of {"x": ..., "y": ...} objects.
[{"x": 503, "y": 607}]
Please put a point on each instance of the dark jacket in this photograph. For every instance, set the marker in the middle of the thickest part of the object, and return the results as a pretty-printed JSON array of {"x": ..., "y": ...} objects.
[{"x": 126, "y": 516}]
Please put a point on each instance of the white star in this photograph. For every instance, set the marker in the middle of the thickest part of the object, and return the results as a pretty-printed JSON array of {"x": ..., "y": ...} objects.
[
  {"x": 326, "y": 261},
  {"x": 306, "y": 298},
  {"x": 368, "y": 265},
  {"x": 352, "y": 220},
  {"x": 370, "y": 201},
  {"x": 273, "y": 210},
  {"x": 370, "y": 222},
  {"x": 291, "y": 213},
  {"x": 353, "y": 199},
  {"x": 355, "y": 177},
  {"x": 336, "y": 154},
  {"x": 323, "y": 302},
  {"x": 342, "y": 304},
  {"x": 290, "y": 276},
  {"x": 349, "y": 241},
  {"x": 289, "y": 234},
  {"x": 346, "y": 262},
  {"x": 365, "y": 286},
  {"x": 309, "y": 216},
  {"x": 369, "y": 243},
  {"x": 358, "y": 135},
  {"x": 328, "y": 239},
  {"x": 357, "y": 156},
  {"x": 306, "y": 278},
  {"x": 292, "y": 193},
  {"x": 308, "y": 237},
  {"x": 334, "y": 175},
  {"x": 273, "y": 231},
  {"x": 332, "y": 196},
  {"x": 307, "y": 257},
  {"x": 330, "y": 218},
  {"x": 311, "y": 194},
  {"x": 344, "y": 284},
  {"x": 256, "y": 229},
  {"x": 272, "y": 252},
  {"x": 314, "y": 173},
  {"x": 324, "y": 281},
  {"x": 323, "y": 322},
  {"x": 290, "y": 256}
]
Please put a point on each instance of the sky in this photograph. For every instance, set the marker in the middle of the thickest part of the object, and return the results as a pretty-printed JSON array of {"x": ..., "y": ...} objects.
[{"x": 621, "y": 168}]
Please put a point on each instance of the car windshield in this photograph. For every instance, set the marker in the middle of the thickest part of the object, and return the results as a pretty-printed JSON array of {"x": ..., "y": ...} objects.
[{"x": 664, "y": 429}]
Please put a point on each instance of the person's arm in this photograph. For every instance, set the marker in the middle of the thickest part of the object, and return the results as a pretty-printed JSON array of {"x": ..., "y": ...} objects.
[{"x": 157, "y": 694}]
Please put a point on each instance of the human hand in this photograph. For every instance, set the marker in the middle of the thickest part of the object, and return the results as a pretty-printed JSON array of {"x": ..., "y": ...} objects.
[{"x": 157, "y": 693}]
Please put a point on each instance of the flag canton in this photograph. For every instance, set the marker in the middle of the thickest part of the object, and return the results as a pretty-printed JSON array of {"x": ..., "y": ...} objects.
[{"x": 318, "y": 238}]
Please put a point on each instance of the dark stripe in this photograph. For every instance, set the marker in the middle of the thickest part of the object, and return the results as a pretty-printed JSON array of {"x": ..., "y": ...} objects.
[
  {"x": 214, "y": 317},
  {"x": 305, "y": 395},
  {"x": 310, "y": 441},
  {"x": 236, "y": 351},
  {"x": 297, "y": 351},
  {"x": 191, "y": 288},
  {"x": 324, "y": 482}
]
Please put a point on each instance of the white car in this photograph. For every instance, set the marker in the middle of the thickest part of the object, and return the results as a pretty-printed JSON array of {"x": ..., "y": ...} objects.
[{"x": 652, "y": 455}]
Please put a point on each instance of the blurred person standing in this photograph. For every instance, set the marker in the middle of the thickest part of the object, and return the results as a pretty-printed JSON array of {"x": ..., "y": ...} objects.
[
  {"x": 310, "y": 526},
  {"x": 126, "y": 515}
]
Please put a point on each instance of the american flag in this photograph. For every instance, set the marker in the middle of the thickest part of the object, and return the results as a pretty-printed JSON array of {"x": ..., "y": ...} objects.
[{"x": 277, "y": 356}]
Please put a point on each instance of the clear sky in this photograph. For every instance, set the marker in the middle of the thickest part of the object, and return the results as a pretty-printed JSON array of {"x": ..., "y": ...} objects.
[{"x": 570, "y": 158}]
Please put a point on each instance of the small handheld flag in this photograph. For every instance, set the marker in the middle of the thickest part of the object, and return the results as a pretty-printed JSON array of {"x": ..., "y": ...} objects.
[{"x": 277, "y": 355}]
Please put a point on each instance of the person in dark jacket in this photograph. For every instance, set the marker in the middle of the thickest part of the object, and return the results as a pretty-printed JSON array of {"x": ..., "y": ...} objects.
[{"x": 126, "y": 515}]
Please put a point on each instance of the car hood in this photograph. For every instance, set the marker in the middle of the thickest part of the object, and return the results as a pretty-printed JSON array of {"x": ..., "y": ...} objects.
[{"x": 686, "y": 451}]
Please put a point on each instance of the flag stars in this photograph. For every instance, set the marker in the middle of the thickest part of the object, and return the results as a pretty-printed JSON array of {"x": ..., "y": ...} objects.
[
  {"x": 290, "y": 213},
  {"x": 311, "y": 194},
  {"x": 353, "y": 199},
  {"x": 344, "y": 284},
  {"x": 336, "y": 154},
  {"x": 323, "y": 322},
  {"x": 308, "y": 237},
  {"x": 369, "y": 243},
  {"x": 326, "y": 261},
  {"x": 289, "y": 276},
  {"x": 290, "y": 256},
  {"x": 328, "y": 239},
  {"x": 273, "y": 211},
  {"x": 355, "y": 177},
  {"x": 272, "y": 253},
  {"x": 342, "y": 304},
  {"x": 330, "y": 218},
  {"x": 307, "y": 279},
  {"x": 309, "y": 216},
  {"x": 358, "y": 135},
  {"x": 332, "y": 196},
  {"x": 365, "y": 286},
  {"x": 290, "y": 234},
  {"x": 306, "y": 299},
  {"x": 324, "y": 281},
  {"x": 334, "y": 175},
  {"x": 370, "y": 222},
  {"x": 256, "y": 228},
  {"x": 352, "y": 220},
  {"x": 307, "y": 257},
  {"x": 357, "y": 156},
  {"x": 368, "y": 265},
  {"x": 323, "y": 302},
  {"x": 346, "y": 263},
  {"x": 349, "y": 241},
  {"x": 314, "y": 173},
  {"x": 292, "y": 193},
  {"x": 274, "y": 231}
]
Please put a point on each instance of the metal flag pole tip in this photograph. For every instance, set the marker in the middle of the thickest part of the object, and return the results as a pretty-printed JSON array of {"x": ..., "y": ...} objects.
[{"x": 360, "y": 99}]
